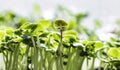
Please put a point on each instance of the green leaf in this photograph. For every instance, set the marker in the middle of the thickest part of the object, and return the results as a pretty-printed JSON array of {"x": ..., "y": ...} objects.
[
  {"x": 44, "y": 23},
  {"x": 112, "y": 39},
  {"x": 9, "y": 16},
  {"x": 69, "y": 38},
  {"x": 1, "y": 35},
  {"x": 18, "y": 39},
  {"x": 86, "y": 42},
  {"x": 60, "y": 23},
  {"x": 70, "y": 32},
  {"x": 39, "y": 28},
  {"x": 56, "y": 36},
  {"x": 9, "y": 32},
  {"x": 18, "y": 32},
  {"x": 31, "y": 26},
  {"x": 71, "y": 25},
  {"x": 98, "y": 45},
  {"x": 114, "y": 52}
]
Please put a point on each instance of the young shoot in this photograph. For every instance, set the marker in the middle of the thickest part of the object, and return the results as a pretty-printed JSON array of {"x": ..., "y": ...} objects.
[{"x": 60, "y": 24}]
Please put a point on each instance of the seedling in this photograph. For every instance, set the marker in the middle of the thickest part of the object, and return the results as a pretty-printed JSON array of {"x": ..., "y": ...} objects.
[{"x": 60, "y": 24}]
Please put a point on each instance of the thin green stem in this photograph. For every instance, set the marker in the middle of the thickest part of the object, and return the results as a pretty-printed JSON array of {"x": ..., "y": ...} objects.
[
  {"x": 106, "y": 67},
  {"x": 15, "y": 57},
  {"x": 35, "y": 59},
  {"x": 69, "y": 59},
  {"x": 4, "y": 58},
  {"x": 50, "y": 66},
  {"x": 42, "y": 58},
  {"x": 100, "y": 65},
  {"x": 87, "y": 61},
  {"x": 32, "y": 62},
  {"x": 92, "y": 65},
  {"x": 57, "y": 64},
  {"x": 10, "y": 61},
  {"x": 81, "y": 63},
  {"x": 60, "y": 49},
  {"x": 26, "y": 57}
]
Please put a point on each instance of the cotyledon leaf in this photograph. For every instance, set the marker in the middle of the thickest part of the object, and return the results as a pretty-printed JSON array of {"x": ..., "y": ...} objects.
[
  {"x": 60, "y": 23},
  {"x": 98, "y": 45},
  {"x": 70, "y": 32},
  {"x": 114, "y": 52},
  {"x": 44, "y": 23}
]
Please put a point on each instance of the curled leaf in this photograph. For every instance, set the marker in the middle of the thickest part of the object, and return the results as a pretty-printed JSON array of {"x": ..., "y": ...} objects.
[{"x": 60, "y": 23}]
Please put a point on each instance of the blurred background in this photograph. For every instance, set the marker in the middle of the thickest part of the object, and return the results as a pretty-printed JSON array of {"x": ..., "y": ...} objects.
[{"x": 105, "y": 10}]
